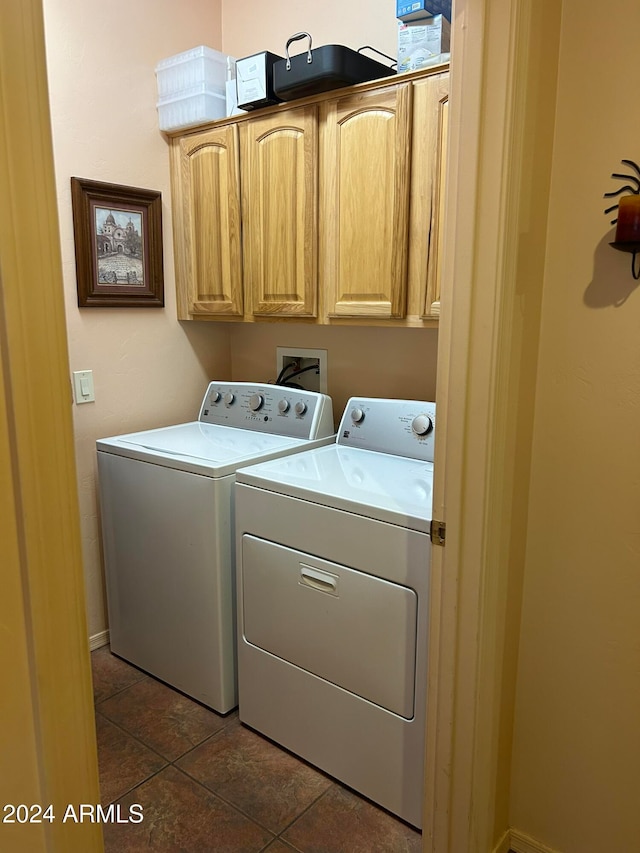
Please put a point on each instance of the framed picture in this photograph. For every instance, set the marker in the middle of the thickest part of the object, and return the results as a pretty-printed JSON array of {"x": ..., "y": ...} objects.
[{"x": 118, "y": 237}]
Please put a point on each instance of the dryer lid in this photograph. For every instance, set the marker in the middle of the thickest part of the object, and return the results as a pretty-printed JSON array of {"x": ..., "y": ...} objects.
[{"x": 377, "y": 485}]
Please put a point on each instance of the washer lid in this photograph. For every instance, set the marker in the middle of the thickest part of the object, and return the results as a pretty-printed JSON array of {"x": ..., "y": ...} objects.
[
  {"x": 377, "y": 485},
  {"x": 201, "y": 448}
]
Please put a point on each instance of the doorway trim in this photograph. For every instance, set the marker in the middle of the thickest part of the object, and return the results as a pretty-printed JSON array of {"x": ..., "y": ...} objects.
[
  {"x": 503, "y": 91},
  {"x": 49, "y": 736}
]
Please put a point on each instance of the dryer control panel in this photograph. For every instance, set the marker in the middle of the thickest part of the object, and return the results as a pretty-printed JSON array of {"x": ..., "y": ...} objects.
[
  {"x": 273, "y": 409},
  {"x": 401, "y": 427}
]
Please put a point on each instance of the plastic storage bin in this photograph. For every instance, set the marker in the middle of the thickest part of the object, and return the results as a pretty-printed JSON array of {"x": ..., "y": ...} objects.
[
  {"x": 199, "y": 66},
  {"x": 191, "y": 107}
]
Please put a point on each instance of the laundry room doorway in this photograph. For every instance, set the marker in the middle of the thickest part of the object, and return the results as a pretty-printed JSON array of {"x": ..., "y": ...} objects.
[{"x": 501, "y": 86}]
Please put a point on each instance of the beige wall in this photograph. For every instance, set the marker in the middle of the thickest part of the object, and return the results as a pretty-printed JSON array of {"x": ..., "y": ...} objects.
[
  {"x": 576, "y": 760},
  {"x": 148, "y": 369},
  {"x": 251, "y": 27},
  {"x": 369, "y": 362}
]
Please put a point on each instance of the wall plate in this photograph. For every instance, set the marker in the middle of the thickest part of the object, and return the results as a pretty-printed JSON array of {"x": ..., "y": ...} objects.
[
  {"x": 83, "y": 386},
  {"x": 303, "y": 357}
]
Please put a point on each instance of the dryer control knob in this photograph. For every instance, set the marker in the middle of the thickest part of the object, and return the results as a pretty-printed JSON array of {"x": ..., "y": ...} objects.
[
  {"x": 215, "y": 397},
  {"x": 422, "y": 425},
  {"x": 283, "y": 406},
  {"x": 357, "y": 416},
  {"x": 256, "y": 402},
  {"x": 300, "y": 408},
  {"x": 229, "y": 398}
]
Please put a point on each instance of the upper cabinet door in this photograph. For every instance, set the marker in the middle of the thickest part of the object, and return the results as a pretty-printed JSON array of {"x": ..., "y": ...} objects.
[
  {"x": 365, "y": 203},
  {"x": 207, "y": 230},
  {"x": 428, "y": 173},
  {"x": 279, "y": 156}
]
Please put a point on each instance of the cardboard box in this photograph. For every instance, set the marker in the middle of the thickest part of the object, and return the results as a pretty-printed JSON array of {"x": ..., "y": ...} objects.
[
  {"x": 423, "y": 42},
  {"x": 254, "y": 80},
  {"x": 413, "y": 10}
]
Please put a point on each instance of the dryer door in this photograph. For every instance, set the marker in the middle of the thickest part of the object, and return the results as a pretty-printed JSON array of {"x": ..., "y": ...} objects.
[{"x": 350, "y": 628}]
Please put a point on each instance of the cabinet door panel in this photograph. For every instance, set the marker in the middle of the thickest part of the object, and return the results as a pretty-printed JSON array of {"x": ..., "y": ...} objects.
[
  {"x": 429, "y": 146},
  {"x": 279, "y": 209},
  {"x": 208, "y": 247},
  {"x": 365, "y": 203}
]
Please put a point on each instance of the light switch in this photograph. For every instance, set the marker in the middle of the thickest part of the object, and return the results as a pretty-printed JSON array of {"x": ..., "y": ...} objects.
[{"x": 83, "y": 386}]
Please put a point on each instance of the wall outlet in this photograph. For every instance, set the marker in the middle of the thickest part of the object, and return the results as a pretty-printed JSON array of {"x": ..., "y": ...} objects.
[{"x": 299, "y": 358}]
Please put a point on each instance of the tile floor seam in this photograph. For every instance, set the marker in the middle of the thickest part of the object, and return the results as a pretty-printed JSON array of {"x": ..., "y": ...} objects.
[
  {"x": 146, "y": 778},
  {"x": 151, "y": 748},
  {"x": 233, "y": 805},
  {"x": 134, "y": 737},
  {"x": 206, "y": 740},
  {"x": 331, "y": 784},
  {"x": 137, "y": 785},
  {"x": 143, "y": 676},
  {"x": 283, "y": 841},
  {"x": 218, "y": 796}
]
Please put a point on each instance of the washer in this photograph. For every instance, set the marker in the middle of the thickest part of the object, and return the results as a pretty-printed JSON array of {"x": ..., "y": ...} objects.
[
  {"x": 166, "y": 500},
  {"x": 333, "y": 563}
]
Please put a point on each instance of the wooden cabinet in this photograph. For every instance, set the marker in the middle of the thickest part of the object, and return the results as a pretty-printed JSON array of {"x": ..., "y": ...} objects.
[
  {"x": 428, "y": 171},
  {"x": 365, "y": 203},
  {"x": 325, "y": 211},
  {"x": 207, "y": 235},
  {"x": 279, "y": 166}
]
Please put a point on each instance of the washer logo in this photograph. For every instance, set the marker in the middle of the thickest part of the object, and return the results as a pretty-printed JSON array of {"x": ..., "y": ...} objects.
[{"x": 346, "y": 433}]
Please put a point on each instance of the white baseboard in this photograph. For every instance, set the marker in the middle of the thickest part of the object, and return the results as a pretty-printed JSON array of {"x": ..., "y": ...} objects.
[
  {"x": 504, "y": 845},
  {"x": 521, "y": 843},
  {"x": 99, "y": 640}
]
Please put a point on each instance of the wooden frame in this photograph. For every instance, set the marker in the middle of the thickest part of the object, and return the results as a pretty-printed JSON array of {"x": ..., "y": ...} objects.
[
  {"x": 118, "y": 242},
  {"x": 48, "y": 722}
]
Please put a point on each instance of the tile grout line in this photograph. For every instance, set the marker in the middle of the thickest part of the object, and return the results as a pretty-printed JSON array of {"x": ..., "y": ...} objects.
[{"x": 169, "y": 763}]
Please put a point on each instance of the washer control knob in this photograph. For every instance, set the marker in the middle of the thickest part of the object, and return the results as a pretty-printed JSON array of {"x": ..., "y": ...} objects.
[
  {"x": 229, "y": 398},
  {"x": 215, "y": 397},
  {"x": 256, "y": 402},
  {"x": 300, "y": 408},
  {"x": 422, "y": 425},
  {"x": 283, "y": 406},
  {"x": 357, "y": 416}
]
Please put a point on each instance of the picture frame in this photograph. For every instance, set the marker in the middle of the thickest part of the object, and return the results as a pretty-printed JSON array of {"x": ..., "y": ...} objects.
[{"x": 118, "y": 245}]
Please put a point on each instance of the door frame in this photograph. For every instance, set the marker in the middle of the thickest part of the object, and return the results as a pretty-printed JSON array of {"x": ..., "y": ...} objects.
[
  {"x": 502, "y": 103},
  {"x": 49, "y": 735}
]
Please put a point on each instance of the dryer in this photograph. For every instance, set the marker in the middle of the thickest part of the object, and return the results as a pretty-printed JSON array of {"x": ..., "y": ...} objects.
[
  {"x": 333, "y": 575},
  {"x": 166, "y": 501}
]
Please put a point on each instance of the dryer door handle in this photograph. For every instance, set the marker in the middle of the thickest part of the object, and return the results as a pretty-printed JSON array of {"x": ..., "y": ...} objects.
[{"x": 317, "y": 579}]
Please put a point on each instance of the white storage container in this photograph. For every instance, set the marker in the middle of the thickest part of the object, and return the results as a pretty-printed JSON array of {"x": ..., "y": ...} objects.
[
  {"x": 199, "y": 66},
  {"x": 191, "y": 107}
]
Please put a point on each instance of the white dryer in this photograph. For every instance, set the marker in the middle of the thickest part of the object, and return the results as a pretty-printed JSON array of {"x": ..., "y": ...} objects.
[
  {"x": 166, "y": 500},
  {"x": 333, "y": 564}
]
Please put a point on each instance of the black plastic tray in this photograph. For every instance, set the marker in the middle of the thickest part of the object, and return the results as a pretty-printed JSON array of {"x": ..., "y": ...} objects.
[{"x": 331, "y": 67}]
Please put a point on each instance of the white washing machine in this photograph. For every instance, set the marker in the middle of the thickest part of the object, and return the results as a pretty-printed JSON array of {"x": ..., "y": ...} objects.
[
  {"x": 333, "y": 560},
  {"x": 166, "y": 499}
]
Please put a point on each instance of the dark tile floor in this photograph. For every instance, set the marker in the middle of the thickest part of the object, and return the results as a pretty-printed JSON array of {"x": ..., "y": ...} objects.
[{"x": 207, "y": 783}]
